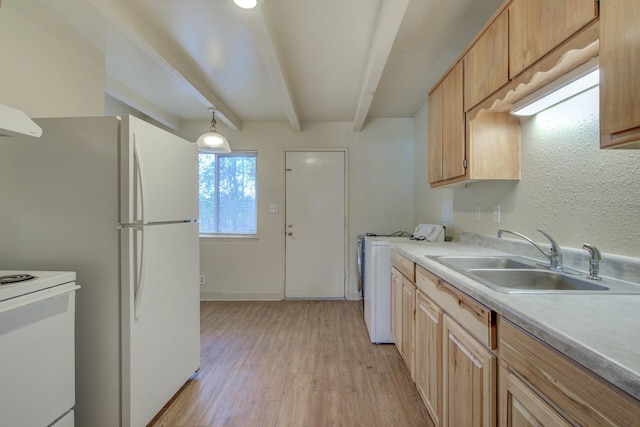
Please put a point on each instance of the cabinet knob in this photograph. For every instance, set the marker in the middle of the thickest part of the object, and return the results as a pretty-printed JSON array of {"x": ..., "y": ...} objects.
[{"x": 289, "y": 233}]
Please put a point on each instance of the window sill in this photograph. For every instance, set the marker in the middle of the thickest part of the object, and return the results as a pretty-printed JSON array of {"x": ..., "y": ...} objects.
[{"x": 228, "y": 237}]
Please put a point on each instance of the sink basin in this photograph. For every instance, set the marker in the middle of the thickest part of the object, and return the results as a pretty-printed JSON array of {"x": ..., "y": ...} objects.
[
  {"x": 468, "y": 262},
  {"x": 545, "y": 281}
]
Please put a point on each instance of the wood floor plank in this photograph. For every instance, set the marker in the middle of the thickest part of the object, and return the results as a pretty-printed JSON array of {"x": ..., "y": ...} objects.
[{"x": 293, "y": 364}]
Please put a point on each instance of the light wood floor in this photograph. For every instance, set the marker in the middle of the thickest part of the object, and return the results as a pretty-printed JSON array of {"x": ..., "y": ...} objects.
[{"x": 293, "y": 363}]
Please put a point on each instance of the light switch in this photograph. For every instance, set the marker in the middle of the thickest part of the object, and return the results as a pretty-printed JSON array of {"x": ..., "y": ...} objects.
[
  {"x": 496, "y": 214},
  {"x": 273, "y": 208},
  {"x": 446, "y": 212}
]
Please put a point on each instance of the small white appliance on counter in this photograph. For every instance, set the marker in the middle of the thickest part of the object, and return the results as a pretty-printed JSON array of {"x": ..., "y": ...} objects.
[
  {"x": 37, "y": 348},
  {"x": 116, "y": 200},
  {"x": 377, "y": 278}
]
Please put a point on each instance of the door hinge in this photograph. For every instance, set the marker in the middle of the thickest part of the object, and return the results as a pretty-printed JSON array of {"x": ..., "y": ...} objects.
[{"x": 464, "y": 163}]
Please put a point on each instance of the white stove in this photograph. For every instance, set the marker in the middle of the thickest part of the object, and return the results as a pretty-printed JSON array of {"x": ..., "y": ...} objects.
[
  {"x": 11, "y": 287},
  {"x": 37, "y": 338}
]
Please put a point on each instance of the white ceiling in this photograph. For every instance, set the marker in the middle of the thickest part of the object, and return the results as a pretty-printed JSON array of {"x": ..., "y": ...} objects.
[{"x": 286, "y": 60}]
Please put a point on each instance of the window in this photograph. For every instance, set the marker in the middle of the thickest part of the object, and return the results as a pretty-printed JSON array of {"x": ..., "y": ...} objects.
[{"x": 227, "y": 187}]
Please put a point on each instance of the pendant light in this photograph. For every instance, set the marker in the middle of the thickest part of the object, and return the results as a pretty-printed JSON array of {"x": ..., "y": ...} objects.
[
  {"x": 212, "y": 141},
  {"x": 246, "y": 4}
]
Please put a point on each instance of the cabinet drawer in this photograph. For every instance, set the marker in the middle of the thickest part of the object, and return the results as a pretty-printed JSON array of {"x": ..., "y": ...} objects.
[
  {"x": 404, "y": 266},
  {"x": 473, "y": 316},
  {"x": 581, "y": 395}
]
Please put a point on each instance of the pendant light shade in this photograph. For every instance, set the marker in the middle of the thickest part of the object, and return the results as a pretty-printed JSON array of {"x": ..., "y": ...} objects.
[
  {"x": 212, "y": 141},
  {"x": 246, "y": 4}
]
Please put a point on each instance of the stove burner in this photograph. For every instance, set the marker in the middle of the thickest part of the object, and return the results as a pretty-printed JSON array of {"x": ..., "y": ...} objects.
[{"x": 15, "y": 278}]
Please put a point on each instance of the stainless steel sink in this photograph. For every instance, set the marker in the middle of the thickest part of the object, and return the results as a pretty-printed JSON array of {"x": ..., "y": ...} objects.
[
  {"x": 545, "y": 281},
  {"x": 513, "y": 274},
  {"x": 468, "y": 262}
]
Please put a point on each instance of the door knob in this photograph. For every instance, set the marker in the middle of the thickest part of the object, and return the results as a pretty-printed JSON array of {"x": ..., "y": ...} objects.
[{"x": 289, "y": 233}]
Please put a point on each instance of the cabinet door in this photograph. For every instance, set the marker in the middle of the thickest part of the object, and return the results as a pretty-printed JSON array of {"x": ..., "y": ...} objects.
[
  {"x": 453, "y": 123},
  {"x": 619, "y": 73},
  {"x": 468, "y": 379},
  {"x": 428, "y": 351},
  {"x": 486, "y": 64},
  {"x": 396, "y": 307},
  {"x": 434, "y": 144},
  {"x": 521, "y": 407},
  {"x": 537, "y": 27},
  {"x": 408, "y": 309}
]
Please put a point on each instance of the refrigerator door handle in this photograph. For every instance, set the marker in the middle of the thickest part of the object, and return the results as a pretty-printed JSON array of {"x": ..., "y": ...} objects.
[
  {"x": 139, "y": 188},
  {"x": 139, "y": 277}
]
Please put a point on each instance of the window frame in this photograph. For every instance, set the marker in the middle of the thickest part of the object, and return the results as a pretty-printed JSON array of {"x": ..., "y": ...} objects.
[{"x": 231, "y": 236}]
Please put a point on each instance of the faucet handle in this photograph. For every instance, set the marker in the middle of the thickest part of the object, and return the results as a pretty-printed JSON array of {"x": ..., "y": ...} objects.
[
  {"x": 594, "y": 252},
  {"x": 594, "y": 261},
  {"x": 554, "y": 245}
]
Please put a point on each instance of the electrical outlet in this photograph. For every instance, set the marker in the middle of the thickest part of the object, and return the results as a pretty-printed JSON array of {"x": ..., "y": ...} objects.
[
  {"x": 273, "y": 208},
  {"x": 202, "y": 280},
  {"x": 496, "y": 214}
]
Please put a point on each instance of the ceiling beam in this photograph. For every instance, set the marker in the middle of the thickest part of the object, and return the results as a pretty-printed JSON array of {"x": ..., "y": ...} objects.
[
  {"x": 389, "y": 20},
  {"x": 274, "y": 66},
  {"x": 124, "y": 93},
  {"x": 165, "y": 52}
]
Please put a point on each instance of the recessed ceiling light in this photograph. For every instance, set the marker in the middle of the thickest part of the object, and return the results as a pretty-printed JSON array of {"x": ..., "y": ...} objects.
[{"x": 246, "y": 4}]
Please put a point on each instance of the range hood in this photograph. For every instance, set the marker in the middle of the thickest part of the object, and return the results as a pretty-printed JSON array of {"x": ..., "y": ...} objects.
[{"x": 14, "y": 122}]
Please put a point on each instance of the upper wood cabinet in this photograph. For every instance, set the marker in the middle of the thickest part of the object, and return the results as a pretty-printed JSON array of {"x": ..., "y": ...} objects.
[
  {"x": 619, "y": 74},
  {"x": 446, "y": 145},
  {"x": 537, "y": 27},
  {"x": 434, "y": 135},
  {"x": 486, "y": 64}
]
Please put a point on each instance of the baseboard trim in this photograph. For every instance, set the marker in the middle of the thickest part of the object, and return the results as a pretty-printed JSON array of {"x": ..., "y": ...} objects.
[{"x": 219, "y": 296}]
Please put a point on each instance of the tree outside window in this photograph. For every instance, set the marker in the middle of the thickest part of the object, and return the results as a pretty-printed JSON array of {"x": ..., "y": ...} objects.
[{"x": 227, "y": 188}]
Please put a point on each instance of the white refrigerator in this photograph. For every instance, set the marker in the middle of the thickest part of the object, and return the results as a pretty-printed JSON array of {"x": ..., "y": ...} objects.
[{"x": 116, "y": 200}]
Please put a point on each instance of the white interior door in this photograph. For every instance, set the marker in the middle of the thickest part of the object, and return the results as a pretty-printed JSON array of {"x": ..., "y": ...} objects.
[{"x": 315, "y": 225}]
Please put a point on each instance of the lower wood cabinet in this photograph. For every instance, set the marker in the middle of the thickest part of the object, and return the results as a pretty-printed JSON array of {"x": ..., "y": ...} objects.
[
  {"x": 403, "y": 300},
  {"x": 522, "y": 407},
  {"x": 469, "y": 379},
  {"x": 450, "y": 343},
  {"x": 428, "y": 351},
  {"x": 396, "y": 307},
  {"x": 582, "y": 397},
  {"x": 408, "y": 310}
]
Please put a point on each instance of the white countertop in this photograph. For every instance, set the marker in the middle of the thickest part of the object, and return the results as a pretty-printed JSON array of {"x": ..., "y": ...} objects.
[{"x": 600, "y": 332}]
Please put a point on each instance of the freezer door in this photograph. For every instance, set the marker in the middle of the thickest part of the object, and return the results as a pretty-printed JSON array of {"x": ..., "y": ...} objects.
[
  {"x": 159, "y": 175},
  {"x": 160, "y": 316}
]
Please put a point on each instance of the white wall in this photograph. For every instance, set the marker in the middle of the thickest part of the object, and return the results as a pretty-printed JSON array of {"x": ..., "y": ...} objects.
[
  {"x": 569, "y": 186},
  {"x": 380, "y": 199},
  {"x": 46, "y": 70}
]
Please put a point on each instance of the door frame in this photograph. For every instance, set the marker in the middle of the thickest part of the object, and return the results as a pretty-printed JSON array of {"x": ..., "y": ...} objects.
[{"x": 283, "y": 229}]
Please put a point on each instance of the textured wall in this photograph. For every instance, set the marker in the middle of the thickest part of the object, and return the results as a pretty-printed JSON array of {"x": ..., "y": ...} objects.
[{"x": 569, "y": 186}]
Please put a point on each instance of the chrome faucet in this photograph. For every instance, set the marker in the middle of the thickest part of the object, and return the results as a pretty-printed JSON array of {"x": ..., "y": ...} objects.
[
  {"x": 555, "y": 254},
  {"x": 594, "y": 261}
]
